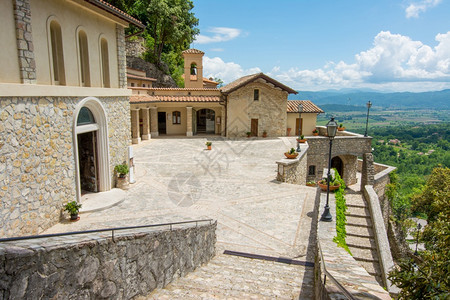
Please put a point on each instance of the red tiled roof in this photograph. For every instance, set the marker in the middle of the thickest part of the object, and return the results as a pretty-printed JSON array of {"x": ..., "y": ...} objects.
[
  {"x": 192, "y": 51},
  {"x": 115, "y": 11},
  {"x": 308, "y": 106},
  {"x": 182, "y": 89},
  {"x": 231, "y": 87},
  {"x": 169, "y": 98},
  {"x": 140, "y": 77}
]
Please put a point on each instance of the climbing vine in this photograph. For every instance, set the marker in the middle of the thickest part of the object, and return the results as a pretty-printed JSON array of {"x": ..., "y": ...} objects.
[{"x": 341, "y": 208}]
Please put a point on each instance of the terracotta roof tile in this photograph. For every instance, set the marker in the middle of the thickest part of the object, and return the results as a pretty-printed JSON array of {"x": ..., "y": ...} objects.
[
  {"x": 140, "y": 77},
  {"x": 183, "y": 89},
  {"x": 117, "y": 12},
  {"x": 192, "y": 51},
  {"x": 308, "y": 106},
  {"x": 169, "y": 98},
  {"x": 231, "y": 87}
]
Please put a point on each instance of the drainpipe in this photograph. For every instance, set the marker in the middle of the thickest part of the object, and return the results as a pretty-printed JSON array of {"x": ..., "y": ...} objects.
[{"x": 224, "y": 102}]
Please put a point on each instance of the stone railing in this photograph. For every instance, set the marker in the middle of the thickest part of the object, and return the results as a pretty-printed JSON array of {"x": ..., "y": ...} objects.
[
  {"x": 339, "y": 264},
  {"x": 123, "y": 267},
  {"x": 293, "y": 170},
  {"x": 381, "y": 238}
]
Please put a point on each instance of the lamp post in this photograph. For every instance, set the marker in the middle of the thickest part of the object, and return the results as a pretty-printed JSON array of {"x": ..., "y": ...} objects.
[
  {"x": 331, "y": 131},
  {"x": 369, "y": 105},
  {"x": 300, "y": 110},
  {"x": 417, "y": 238}
]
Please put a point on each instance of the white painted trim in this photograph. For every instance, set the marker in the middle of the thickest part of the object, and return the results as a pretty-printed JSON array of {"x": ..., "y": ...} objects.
[
  {"x": 101, "y": 126},
  {"x": 36, "y": 90}
]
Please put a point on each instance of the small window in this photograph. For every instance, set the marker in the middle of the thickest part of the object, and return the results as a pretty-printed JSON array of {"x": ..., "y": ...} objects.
[
  {"x": 256, "y": 95},
  {"x": 132, "y": 84},
  {"x": 193, "y": 69},
  {"x": 312, "y": 170},
  {"x": 143, "y": 85},
  {"x": 84, "y": 59},
  {"x": 57, "y": 54},
  {"x": 176, "y": 117},
  {"x": 105, "y": 62},
  {"x": 85, "y": 117}
]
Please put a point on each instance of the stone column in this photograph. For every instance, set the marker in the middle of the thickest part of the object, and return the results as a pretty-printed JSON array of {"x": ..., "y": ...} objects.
[
  {"x": 145, "y": 124},
  {"x": 121, "y": 56},
  {"x": 135, "y": 134},
  {"x": 154, "y": 121},
  {"x": 367, "y": 171},
  {"x": 189, "y": 121},
  {"x": 222, "y": 121},
  {"x": 25, "y": 48}
]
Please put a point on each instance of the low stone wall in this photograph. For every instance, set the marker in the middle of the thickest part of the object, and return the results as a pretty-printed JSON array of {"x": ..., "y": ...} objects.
[
  {"x": 132, "y": 264},
  {"x": 381, "y": 238},
  {"x": 293, "y": 170}
]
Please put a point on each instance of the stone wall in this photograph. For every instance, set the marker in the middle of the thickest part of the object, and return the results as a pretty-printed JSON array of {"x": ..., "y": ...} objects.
[
  {"x": 270, "y": 110},
  {"x": 100, "y": 268},
  {"x": 135, "y": 46},
  {"x": 37, "y": 164},
  {"x": 162, "y": 79},
  {"x": 121, "y": 58},
  {"x": 348, "y": 148},
  {"x": 293, "y": 170}
]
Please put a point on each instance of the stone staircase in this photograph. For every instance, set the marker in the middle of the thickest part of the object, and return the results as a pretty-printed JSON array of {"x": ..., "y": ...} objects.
[
  {"x": 360, "y": 236},
  {"x": 233, "y": 277}
]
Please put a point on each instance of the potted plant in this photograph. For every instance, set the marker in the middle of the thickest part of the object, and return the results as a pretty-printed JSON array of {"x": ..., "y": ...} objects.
[
  {"x": 122, "y": 171},
  {"x": 291, "y": 154},
  {"x": 301, "y": 139},
  {"x": 311, "y": 183},
  {"x": 264, "y": 133},
  {"x": 316, "y": 132},
  {"x": 341, "y": 127},
  {"x": 208, "y": 145},
  {"x": 73, "y": 208},
  {"x": 334, "y": 184},
  {"x": 248, "y": 133}
]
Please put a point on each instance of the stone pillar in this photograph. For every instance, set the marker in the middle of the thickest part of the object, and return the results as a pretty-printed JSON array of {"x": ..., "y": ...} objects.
[
  {"x": 154, "y": 121},
  {"x": 135, "y": 134},
  {"x": 222, "y": 121},
  {"x": 189, "y": 131},
  {"x": 145, "y": 124},
  {"x": 121, "y": 57},
  {"x": 27, "y": 63},
  {"x": 367, "y": 171}
]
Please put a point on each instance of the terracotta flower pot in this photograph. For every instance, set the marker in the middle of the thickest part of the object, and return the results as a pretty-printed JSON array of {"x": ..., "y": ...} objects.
[
  {"x": 301, "y": 141},
  {"x": 324, "y": 187},
  {"x": 290, "y": 156},
  {"x": 341, "y": 128},
  {"x": 315, "y": 133},
  {"x": 209, "y": 147}
]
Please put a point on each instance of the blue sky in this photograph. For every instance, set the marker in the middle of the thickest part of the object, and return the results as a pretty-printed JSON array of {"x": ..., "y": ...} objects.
[{"x": 319, "y": 45}]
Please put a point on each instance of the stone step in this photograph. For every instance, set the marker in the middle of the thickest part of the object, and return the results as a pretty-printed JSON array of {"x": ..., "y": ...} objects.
[
  {"x": 362, "y": 231},
  {"x": 357, "y": 216},
  {"x": 358, "y": 225},
  {"x": 364, "y": 253},
  {"x": 373, "y": 268},
  {"x": 360, "y": 211},
  {"x": 358, "y": 241},
  {"x": 363, "y": 235},
  {"x": 355, "y": 206}
]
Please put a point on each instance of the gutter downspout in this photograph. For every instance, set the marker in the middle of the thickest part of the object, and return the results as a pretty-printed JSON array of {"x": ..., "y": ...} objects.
[{"x": 224, "y": 103}]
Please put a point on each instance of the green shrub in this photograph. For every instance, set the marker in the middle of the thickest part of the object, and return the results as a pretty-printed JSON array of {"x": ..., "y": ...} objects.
[
  {"x": 341, "y": 208},
  {"x": 72, "y": 207},
  {"x": 122, "y": 170}
]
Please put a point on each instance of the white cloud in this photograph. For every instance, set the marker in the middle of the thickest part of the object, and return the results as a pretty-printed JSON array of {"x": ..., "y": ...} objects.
[
  {"x": 414, "y": 9},
  {"x": 394, "y": 62},
  {"x": 227, "y": 71},
  {"x": 219, "y": 34}
]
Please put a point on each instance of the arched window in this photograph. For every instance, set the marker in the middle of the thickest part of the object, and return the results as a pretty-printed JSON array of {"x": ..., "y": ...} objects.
[
  {"x": 57, "y": 58},
  {"x": 105, "y": 62},
  {"x": 176, "y": 117},
  {"x": 193, "y": 69},
  {"x": 84, "y": 59},
  {"x": 85, "y": 117}
]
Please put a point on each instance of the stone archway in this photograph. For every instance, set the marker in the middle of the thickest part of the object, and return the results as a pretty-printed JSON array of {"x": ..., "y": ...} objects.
[
  {"x": 91, "y": 148},
  {"x": 338, "y": 164}
]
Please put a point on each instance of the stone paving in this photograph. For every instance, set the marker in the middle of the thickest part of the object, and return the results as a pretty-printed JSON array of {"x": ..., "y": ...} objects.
[{"x": 178, "y": 179}]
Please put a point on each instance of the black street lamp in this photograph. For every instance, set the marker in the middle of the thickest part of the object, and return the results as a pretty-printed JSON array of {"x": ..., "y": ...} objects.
[
  {"x": 300, "y": 110},
  {"x": 419, "y": 226},
  {"x": 369, "y": 105},
  {"x": 331, "y": 131}
]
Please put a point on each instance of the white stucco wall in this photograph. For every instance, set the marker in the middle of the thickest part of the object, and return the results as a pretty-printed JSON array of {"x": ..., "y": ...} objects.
[{"x": 9, "y": 71}]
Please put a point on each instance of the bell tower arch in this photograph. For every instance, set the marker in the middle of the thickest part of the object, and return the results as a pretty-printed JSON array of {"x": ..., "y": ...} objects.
[{"x": 193, "y": 68}]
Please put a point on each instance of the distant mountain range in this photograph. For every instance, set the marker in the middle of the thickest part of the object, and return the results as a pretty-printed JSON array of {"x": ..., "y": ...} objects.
[{"x": 405, "y": 100}]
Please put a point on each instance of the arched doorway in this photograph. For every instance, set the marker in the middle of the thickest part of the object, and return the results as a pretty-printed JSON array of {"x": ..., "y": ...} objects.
[
  {"x": 205, "y": 121},
  {"x": 338, "y": 164},
  {"x": 90, "y": 139}
]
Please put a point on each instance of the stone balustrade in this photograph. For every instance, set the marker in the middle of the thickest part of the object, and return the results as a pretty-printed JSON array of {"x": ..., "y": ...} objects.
[{"x": 293, "y": 170}]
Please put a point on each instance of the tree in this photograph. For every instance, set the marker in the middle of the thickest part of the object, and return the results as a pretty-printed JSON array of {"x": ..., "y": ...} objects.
[{"x": 427, "y": 276}]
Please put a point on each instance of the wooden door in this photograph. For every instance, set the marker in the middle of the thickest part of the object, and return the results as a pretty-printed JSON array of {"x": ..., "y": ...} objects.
[
  {"x": 254, "y": 127},
  {"x": 297, "y": 121}
]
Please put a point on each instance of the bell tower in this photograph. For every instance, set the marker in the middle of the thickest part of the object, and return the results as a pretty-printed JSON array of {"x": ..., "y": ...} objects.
[{"x": 193, "y": 68}]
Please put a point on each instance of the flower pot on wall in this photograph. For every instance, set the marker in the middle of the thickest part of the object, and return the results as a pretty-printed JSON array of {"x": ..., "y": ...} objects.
[
  {"x": 122, "y": 183},
  {"x": 290, "y": 156}
]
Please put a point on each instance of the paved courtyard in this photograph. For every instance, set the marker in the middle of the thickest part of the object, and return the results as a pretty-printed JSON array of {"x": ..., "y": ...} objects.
[{"x": 178, "y": 179}]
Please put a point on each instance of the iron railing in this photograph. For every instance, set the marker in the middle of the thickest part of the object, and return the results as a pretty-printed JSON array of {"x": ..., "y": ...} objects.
[
  {"x": 29, "y": 237},
  {"x": 334, "y": 280}
]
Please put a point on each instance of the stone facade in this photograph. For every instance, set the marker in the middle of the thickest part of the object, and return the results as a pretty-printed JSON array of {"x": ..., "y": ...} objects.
[
  {"x": 135, "y": 46},
  {"x": 162, "y": 79},
  {"x": 121, "y": 58},
  {"x": 347, "y": 148},
  {"x": 293, "y": 170},
  {"x": 27, "y": 64},
  {"x": 37, "y": 169},
  {"x": 269, "y": 110},
  {"x": 121, "y": 268}
]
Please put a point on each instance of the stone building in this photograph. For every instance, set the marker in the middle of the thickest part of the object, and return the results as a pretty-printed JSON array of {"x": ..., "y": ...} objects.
[{"x": 64, "y": 106}]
